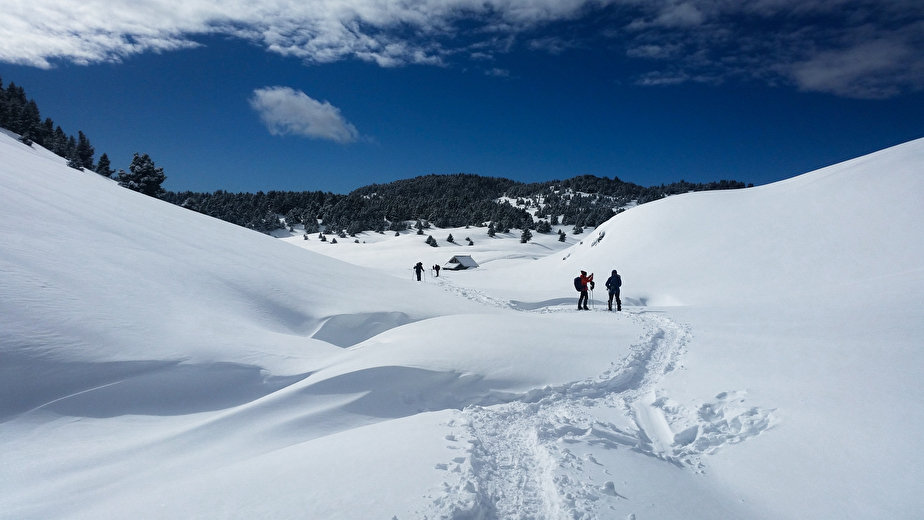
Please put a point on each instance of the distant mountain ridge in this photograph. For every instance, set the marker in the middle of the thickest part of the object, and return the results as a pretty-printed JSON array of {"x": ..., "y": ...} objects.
[{"x": 455, "y": 200}]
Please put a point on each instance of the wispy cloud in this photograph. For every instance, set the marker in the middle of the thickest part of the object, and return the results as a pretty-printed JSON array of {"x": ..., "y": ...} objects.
[
  {"x": 856, "y": 48},
  {"x": 851, "y": 48},
  {"x": 287, "y": 111},
  {"x": 498, "y": 73}
]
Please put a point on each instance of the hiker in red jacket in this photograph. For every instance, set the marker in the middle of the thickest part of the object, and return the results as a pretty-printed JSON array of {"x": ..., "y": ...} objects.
[{"x": 585, "y": 281}]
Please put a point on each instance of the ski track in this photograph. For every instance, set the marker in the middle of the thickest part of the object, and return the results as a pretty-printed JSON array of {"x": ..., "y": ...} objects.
[{"x": 517, "y": 460}]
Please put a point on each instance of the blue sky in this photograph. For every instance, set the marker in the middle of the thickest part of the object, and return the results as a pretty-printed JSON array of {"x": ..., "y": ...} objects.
[{"x": 334, "y": 95}]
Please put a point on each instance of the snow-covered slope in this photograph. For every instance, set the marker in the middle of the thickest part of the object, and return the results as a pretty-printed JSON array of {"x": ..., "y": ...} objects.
[{"x": 156, "y": 363}]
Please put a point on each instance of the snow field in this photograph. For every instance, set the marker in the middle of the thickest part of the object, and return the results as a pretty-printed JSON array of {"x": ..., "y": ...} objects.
[{"x": 156, "y": 363}]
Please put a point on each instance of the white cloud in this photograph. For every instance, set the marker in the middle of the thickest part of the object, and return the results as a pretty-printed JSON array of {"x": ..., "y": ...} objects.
[
  {"x": 850, "y": 48},
  {"x": 287, "y": 111},
  {"x": 872, "y": 69},
  {"x": 859, "y": 48},
  {"x": 37, "y": 32}
]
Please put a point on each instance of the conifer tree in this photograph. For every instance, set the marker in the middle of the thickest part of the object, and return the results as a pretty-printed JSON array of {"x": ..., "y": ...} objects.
[
  {"x": 526, "y": 236},
  {"x": 102, "y": 167},
  {"x": 143, "y": 177},
  {"x": 70, "y": 150},
  {"x": 58, "y": 143},
  {"x": 74, "y": 163},
  {"x": 84, "y": 151}
]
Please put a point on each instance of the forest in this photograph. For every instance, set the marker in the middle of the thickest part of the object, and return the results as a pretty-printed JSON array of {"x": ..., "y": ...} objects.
[{"x": 454, "y": 200}]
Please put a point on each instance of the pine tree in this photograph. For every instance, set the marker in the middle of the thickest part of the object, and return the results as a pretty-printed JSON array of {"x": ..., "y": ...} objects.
[
  {"x": 143, "y": 177},
  {"x": 102, "y": 167},
  {"x": 84, "y": 151},
  {"x": 491, "y": 230},
  {"x": 74, "y": 163},
  {"x": 526, "y": 236},
  {"x": 70, "y": 150},
  {"x": 58, "y": 143},
  {"x": 450, "y": 239}
]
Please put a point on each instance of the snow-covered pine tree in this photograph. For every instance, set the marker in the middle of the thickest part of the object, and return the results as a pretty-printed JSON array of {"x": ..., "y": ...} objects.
[{"x": 144, "y": 177}]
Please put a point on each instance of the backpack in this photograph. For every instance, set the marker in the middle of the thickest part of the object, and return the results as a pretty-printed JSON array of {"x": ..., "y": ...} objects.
[{"x": 577, "y": 284}]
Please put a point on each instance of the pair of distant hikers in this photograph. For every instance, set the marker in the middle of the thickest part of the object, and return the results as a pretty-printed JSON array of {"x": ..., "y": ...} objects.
[
  {"x": 419, "y": 268},
  {"x": 613, "y": 283}
]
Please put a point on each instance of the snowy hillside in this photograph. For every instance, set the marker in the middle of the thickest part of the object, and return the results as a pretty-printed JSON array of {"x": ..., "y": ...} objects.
[{"x": 157, "y": 363}]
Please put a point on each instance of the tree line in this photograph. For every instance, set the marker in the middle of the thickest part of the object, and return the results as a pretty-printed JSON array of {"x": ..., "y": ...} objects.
[
  {"x": 21, "y": 115},
  {"x": 445, "y": 201}
]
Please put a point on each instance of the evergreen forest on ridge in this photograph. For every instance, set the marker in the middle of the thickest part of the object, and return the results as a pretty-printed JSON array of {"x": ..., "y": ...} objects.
[{"x": 454, "y": 200}]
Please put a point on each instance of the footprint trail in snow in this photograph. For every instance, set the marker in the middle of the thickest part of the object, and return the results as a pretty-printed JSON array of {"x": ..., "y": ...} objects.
[{"x": 520, "y": 460}]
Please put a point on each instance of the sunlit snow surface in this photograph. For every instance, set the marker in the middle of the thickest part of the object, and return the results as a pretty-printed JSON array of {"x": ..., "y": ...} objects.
[{"x": 157, "y": 363}]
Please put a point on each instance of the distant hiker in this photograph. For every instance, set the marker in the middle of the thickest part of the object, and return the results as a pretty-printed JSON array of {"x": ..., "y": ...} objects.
[
  {"x": 419, "y": 269},
  {"x": 436, "y": 267},
  {"x": 581, "y": 283},
  {"x": 613, "y": 283}
]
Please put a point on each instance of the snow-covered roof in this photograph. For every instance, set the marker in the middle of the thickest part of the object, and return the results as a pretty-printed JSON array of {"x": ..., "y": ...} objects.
[{"x": 461, "y": 262}]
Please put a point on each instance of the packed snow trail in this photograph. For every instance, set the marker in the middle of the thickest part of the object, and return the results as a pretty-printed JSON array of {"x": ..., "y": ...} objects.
[{"x": 517, "y": 460}]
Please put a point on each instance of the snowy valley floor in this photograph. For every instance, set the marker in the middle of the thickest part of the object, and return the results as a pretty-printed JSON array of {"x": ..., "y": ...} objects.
[{"x": 766, "y": 365}]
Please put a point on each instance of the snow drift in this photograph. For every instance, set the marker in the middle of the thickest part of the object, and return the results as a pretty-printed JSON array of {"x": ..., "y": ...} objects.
[{"x": 157, "y": 363}]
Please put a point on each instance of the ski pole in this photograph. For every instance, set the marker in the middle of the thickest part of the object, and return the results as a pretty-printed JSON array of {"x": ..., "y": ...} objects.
[{"x": 592, "y": 305}]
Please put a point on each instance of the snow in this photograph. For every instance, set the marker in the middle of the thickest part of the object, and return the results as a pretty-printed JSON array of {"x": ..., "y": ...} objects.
[{"x": 157, "y": 363}]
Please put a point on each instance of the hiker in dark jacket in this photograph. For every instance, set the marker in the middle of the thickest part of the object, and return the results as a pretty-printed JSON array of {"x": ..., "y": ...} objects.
[
  {"x": 419, "y": 269},
  {"x": 584, "y": 283},
  {"x": 613, "y": 283}
]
